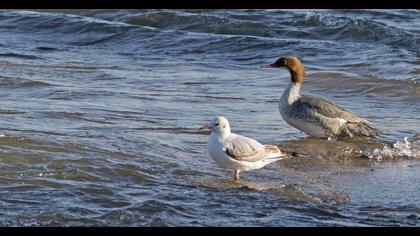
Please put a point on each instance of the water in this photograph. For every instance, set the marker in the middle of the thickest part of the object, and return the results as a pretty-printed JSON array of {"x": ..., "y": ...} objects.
[{"x": 99, "y": 111}]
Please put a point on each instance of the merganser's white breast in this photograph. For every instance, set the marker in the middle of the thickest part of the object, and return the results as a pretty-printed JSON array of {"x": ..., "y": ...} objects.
[{"x": 293, "y": 116}]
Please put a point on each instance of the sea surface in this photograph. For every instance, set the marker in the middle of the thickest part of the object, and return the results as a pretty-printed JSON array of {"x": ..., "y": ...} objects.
[{"x": 100, "y": 110}]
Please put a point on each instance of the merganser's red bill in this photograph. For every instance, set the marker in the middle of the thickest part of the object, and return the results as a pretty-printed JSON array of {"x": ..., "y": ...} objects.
[{"x": 268, "y": 66}]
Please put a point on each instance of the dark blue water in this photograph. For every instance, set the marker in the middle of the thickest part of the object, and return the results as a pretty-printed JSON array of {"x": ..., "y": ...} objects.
[{"x": 99, "y": 111}]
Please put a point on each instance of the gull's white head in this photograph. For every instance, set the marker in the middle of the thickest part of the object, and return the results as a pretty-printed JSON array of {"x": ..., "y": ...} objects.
[{"x": 220, "y": 125}]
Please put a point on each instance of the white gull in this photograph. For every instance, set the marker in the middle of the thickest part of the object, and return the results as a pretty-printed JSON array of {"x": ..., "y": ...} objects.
[{"x": 237, "y": 152}]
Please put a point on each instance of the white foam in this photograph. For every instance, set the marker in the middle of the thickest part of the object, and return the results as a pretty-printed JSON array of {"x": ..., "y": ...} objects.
[{"x": 405, "y": 149}]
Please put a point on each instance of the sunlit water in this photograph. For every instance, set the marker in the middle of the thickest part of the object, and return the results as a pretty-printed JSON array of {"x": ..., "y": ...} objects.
[{"x": 99, "y": 111}]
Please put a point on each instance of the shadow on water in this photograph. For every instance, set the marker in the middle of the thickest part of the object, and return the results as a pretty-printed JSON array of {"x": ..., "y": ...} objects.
[{"x": 300, "y": 191}]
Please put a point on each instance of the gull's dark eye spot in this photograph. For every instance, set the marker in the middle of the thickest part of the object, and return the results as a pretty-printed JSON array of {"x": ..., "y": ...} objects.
[{"x": 217, "y": 124}]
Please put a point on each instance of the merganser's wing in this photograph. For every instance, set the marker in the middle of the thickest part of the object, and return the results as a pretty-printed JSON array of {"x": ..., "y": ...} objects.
[{"x": 307, "y": 105}]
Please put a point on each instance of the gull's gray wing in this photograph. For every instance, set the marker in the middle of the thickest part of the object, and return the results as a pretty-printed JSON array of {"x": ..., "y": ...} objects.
[
  {"x": 306, "y": 106},
  {"x": 244, "y": 149}
]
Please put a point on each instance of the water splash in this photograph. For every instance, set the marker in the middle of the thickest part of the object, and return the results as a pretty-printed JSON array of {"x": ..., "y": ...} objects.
[
  {"x": 322, "y": 18},
  {"x": 405, "y": 149}
]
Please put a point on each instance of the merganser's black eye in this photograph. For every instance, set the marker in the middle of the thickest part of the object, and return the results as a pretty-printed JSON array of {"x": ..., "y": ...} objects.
[
  {"x": 281, "y": 62},
  {"x": 217, "y": 124}
]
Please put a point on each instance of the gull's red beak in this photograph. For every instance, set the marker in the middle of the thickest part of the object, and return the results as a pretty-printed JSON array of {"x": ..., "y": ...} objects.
[
  {"x": 204, "y": 127},
  {"x": 269, "y": 66}
]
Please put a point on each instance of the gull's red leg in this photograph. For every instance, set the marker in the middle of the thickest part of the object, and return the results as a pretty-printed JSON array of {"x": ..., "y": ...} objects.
[{"x": 237, "y": 176}]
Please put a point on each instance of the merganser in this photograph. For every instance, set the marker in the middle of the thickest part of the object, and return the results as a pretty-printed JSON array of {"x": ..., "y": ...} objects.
[
  {"x": 316, "y": 116},
  {"x": 237, "y": 152}
]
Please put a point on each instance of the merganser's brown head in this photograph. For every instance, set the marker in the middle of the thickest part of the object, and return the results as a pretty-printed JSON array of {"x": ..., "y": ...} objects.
[{"x": 295, "y": 67}]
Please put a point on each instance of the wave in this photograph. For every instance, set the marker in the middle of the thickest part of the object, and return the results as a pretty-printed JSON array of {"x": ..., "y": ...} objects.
[
  {"x": 359, "y": 29},
  {"x": 90, "y": 27},
  {"x": 20, "y": 56},
  {"x": 363, "y": 85},
  {"x": 47, "y": 48},
  {"x": 84, "y": 30},
  {"x": 16, "y": 82},
  {"x": 337, "y": 25}
]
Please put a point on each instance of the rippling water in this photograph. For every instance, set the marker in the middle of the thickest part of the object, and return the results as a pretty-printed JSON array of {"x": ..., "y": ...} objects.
[{"x": 99, "y": 113}]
